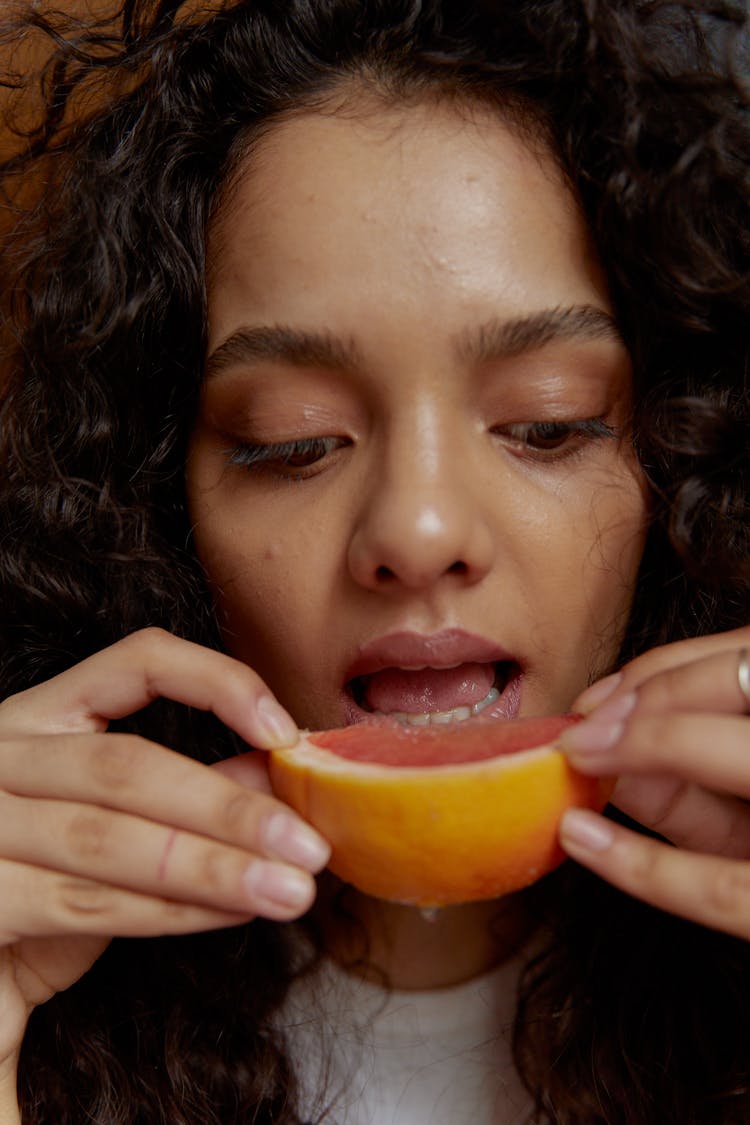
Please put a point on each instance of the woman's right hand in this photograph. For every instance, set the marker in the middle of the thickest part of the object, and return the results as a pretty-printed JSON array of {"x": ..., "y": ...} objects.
[{"x": 105, "y": 835}]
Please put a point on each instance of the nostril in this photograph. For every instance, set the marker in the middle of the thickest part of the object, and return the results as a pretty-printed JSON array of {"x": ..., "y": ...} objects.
[{"x": 384, "y": 574}]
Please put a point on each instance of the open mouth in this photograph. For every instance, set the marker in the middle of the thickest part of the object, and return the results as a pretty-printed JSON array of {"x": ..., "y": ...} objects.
[{"x": 425, "y": 696}]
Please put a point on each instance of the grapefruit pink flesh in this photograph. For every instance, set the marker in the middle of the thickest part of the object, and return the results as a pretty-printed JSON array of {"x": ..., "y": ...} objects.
[
  {"x": 396, "y": 744},
  {"x": 431, "y": 816}
]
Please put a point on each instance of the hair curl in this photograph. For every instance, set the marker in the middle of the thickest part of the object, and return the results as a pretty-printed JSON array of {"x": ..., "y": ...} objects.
[{"x": 631, "y": 1016}]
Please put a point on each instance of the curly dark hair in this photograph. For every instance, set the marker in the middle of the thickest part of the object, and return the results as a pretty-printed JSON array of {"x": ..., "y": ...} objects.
[{"x": 631, "y": 1017}]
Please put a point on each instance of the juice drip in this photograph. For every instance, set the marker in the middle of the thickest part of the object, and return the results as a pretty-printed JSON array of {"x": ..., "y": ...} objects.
[{"x": 429, "y": 913}]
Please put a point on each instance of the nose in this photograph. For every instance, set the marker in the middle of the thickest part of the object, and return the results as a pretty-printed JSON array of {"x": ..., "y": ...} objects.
[{"x": 420, "y": 522}]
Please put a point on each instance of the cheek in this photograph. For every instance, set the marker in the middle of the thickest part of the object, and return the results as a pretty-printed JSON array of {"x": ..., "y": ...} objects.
[
  {"x": 239, "y": 544},
  {"x": 611, "y": 538},
  {"x": 251, "y": 572},
  {"x": 267, "y": 583},
  {"x": 586, "y": 581}
]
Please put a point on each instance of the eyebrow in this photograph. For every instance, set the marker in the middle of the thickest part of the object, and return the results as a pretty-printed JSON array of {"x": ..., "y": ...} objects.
[
  {"x": 281, "y": 344},
  {"x": 498, "y": 338},
  {"x": 495, "y": 339}
]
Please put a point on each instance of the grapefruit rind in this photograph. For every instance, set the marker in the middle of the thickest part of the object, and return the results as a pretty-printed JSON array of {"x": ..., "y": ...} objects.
[{"x": 437, "y": 835}]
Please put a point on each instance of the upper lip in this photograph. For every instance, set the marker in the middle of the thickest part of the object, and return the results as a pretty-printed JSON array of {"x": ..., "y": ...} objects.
[{"x": 445, "y": 649}]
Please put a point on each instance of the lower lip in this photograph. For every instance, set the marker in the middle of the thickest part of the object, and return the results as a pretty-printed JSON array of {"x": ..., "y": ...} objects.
[{"x": 506, "y": 706}]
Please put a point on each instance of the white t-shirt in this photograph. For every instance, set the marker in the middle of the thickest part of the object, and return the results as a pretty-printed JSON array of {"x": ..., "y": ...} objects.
[{"x": 369, "y": 1056}]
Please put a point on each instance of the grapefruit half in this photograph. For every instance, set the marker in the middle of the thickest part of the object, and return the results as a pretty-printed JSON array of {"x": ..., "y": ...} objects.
[{"x": 436, "y": 815}]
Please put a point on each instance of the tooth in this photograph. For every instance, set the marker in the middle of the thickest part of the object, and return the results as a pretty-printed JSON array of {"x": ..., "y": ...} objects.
[
  {"x": 427, "y": 718},
  {"x": 490, "y": 697},
  {"x": 457, "y": 715}
]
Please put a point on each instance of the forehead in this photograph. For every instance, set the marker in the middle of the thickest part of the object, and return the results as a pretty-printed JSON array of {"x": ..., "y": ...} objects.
[{"x": 422, "y": 202}]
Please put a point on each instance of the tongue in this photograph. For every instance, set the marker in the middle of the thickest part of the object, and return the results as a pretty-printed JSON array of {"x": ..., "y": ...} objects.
[{"x": 429, "y": 689}]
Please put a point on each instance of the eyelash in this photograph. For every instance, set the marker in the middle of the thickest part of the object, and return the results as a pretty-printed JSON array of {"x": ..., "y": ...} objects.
[
  {"x": 556, "y": 439},
  {"x": 298, "y": 460},
  {"x": 291, "y": 460}
]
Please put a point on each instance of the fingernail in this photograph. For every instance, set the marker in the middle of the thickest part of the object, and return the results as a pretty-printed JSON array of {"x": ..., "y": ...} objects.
[
  {"x": 597, "y": 693},
  {"x": 591, "y": 738},
  {"x": 275, "y": 883},
  {"x": 600, "y": 731},
  {"x": 279, "y": 727},
  {"x": 285, "y": 837},
  {"x": 586, "y": 831}
]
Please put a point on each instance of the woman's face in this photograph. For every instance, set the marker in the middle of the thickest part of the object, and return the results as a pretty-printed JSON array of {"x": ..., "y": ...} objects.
[{"x": 410, "y": 478}]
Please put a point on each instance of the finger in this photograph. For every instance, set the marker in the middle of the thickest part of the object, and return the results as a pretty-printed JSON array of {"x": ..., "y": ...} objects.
[
  {"x": 129, "y": 774},
  {"x": 708, "y": 750},
  {"x": 250, "y": 770},
  {"x": 686, "y": 814},
  {"x": 662, "y": 659},
  {"x": 708, "y": 684},
  {"x": 139, "y": 669},
  {"x": 126, "y": 851},
  {"x": 712, "y": 891},
  {"x": 42, "y": 903}
]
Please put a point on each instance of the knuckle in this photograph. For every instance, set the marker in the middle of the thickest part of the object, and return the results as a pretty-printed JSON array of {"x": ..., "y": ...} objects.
[
  {"x": 667, "y": 796},
  {"x": 88, "y": 834},
  {"x": 236, "y": 680},
  {"x": 644, "y": 864},
  {"x": 655, "y": 733},
  {"x": 640, "y": 668},
  {"x": 150, "y": 638},
  {"x": 212, "y": 868},
  {"x": 77, "y": 899},
  {"x": 116, "y": 760},
  {"x": 175, "y": 914},
  {"x": 664, "y": 690},
  {"x": 8, "y": 706},
  {"x": 729, "y": 890},
  {"x": 236, "y": 812},
  {"x": 17, "y": 713},
  {"x": 245, "y": 676}
]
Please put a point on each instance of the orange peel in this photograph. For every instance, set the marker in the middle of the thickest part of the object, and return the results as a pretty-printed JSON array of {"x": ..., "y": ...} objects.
[{"x": 448, "y": 814}]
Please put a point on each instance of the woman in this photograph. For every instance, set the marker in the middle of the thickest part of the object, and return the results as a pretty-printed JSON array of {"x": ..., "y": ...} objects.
[{"x": 354, "y": 344}]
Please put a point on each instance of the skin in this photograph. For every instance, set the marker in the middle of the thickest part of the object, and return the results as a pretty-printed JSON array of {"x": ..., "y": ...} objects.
[
  {"x": 402, "y": 238},
  {"x": 308, "y": 570},
  {"x": 409, "y": 237},
  {"x": 649, "y": 727}
]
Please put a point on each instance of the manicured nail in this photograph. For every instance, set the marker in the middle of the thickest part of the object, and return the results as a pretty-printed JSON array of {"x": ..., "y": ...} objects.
[
  {"x": 586, "y": 831},
  {"x": 285, "y": 837},
  {"x": 602, "y": 729},
  {"x": 277, "y": 884},
  {"x": 595, "y": 695},
  {"x": 279, "y": 727}
]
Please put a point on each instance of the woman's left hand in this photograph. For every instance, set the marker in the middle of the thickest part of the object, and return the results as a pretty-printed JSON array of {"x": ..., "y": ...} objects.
[{"x": 674, "y": 729}]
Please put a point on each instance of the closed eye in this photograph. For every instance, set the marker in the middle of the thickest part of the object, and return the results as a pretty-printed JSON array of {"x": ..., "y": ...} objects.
[
  {"x": 292, "y": 460},
  {"x": 552, "y": 439}
]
